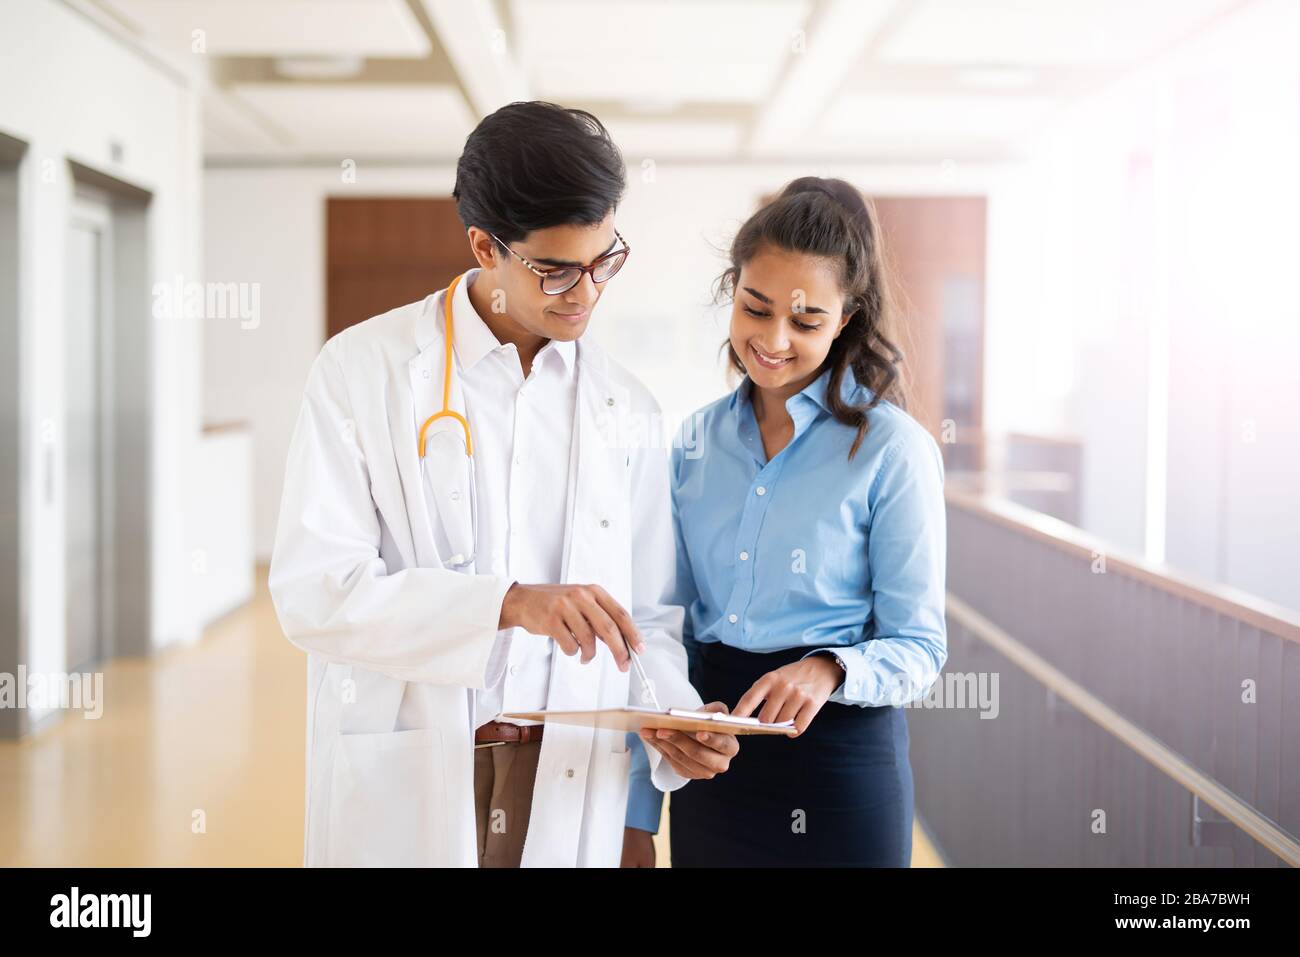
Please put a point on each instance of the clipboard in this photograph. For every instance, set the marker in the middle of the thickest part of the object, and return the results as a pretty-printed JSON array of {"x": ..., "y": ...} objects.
[{"x": 678, "y": 719}]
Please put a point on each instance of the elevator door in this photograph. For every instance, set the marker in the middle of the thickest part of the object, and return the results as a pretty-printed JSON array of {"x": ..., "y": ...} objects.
[{"x": 87, "y": 319}]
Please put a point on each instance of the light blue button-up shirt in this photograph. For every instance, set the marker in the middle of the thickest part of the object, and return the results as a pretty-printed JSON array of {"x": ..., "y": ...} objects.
[{"x": 808, "y": 549}]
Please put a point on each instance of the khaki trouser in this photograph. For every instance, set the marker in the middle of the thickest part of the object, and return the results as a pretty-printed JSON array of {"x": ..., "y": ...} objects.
[{"x": 503, "y": 797}]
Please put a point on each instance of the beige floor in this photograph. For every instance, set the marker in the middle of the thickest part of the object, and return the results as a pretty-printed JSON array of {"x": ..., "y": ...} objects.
[{"x": 197, "y": 760}]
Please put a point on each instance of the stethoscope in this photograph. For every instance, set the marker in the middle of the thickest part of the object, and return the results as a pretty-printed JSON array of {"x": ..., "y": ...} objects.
[{"x": 461, "y": 528}]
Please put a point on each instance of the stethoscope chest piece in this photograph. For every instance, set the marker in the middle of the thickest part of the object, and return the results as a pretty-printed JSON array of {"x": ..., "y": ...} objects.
[{"x": 449, "y": 477}]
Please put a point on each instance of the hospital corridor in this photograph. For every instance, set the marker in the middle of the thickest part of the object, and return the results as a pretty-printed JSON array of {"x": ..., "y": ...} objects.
[{"x": 717, "y": 435}]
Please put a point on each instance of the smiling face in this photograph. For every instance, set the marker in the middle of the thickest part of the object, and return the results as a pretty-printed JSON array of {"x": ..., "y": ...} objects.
[
  {"x": 564, "y": 316},
  {"x": 788, "y": 309}
]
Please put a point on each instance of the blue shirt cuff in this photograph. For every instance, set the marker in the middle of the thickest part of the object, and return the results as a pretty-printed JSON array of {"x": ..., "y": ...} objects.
[
  {"x": 869, "y": 682},
  {"x": 645, "y": 802}
]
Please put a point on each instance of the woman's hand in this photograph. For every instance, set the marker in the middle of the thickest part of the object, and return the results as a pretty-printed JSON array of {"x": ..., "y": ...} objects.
[
  {"x": 699, "y": 756},
  {"x": 638, "y": 848},
  {"x": 796, "y": 691}
]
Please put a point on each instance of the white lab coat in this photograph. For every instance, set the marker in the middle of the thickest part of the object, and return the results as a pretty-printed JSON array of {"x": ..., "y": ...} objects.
[{"x": 358, "y": 582}]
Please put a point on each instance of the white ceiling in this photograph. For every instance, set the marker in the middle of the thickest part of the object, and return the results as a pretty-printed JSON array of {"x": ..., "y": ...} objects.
[
  {"x": 922, "y": 80},
  {"x": 343, "y": 120},
  {"x": 719, "y": 51},
  {"x": 896, "y": 127},
  {"x": 368, "y": 28},
  {"x": 690, "y": 138},
  {"x": 1041, "y": 32}
]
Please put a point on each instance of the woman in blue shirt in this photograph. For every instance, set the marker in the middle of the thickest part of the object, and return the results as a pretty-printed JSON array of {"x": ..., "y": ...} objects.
[{"x": 810, "y": 520}]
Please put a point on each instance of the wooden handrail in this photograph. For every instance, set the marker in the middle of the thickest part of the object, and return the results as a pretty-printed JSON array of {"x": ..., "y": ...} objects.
[
  {"x": 1263, "y": 830},
  {"x": 1246, "y": 608}
]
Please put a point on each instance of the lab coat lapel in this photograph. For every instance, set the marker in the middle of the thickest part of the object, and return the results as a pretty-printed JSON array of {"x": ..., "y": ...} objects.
[{"x": 421, "y": 400}]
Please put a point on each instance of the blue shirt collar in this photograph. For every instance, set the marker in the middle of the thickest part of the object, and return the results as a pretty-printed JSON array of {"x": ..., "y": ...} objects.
[
  {"x": 814, "y": 394},
  {"x": 804, "y": 406}
]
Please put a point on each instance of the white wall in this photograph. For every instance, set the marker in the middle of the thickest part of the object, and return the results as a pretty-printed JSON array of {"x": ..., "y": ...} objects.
[
  {"x": 222, "y": 525},
  {"x": 69, "y": 89},
  {"x": 267, "y": 225}
]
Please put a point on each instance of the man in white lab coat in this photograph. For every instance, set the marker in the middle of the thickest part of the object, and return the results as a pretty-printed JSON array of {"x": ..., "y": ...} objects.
[{"x": 441, "y": 571}]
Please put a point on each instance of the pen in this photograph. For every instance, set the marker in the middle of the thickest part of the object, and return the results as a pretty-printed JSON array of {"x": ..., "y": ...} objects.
[{"x": 647, "y": 688}]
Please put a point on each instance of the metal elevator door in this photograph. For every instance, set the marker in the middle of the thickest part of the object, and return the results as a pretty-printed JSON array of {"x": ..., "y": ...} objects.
[{"x": 87, "y": 303}]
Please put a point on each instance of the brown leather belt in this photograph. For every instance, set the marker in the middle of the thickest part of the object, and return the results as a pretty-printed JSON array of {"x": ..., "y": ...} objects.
[{"x": 502, "y": 732}]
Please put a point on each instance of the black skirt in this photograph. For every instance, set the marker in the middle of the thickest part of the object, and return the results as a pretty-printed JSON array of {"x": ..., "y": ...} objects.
[{"x": 839, "y": 795}]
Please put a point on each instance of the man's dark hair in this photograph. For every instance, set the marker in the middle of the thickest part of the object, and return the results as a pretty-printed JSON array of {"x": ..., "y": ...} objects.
[{"x": 533, "y": 165}]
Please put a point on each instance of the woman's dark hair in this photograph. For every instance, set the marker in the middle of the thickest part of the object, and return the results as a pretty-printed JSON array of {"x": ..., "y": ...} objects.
[
  {"x": 830, "y": 219},
  {"x": 533, "y": 165}
]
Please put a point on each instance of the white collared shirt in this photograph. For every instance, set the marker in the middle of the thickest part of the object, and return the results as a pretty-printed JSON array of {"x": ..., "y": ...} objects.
[{"x": 523, "y": 440}]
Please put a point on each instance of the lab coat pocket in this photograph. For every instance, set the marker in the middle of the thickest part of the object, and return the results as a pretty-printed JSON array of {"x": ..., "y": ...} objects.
[
  {"x": 609, "y": 809},
  {"x": 388, "y": 801}
]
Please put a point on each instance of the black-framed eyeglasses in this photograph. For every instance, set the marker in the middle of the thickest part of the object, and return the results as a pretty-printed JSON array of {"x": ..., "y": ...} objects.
[{"x": 563, "y": 278}]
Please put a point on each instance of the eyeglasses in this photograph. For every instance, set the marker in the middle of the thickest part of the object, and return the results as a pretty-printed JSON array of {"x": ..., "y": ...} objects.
[{"x": 563, "y": 278}]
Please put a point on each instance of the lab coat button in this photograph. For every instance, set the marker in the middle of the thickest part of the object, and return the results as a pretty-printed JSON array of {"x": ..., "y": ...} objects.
[
  {"x": 455, "y": 495},
  {"x": 514, "y": 669},
  {"x": 609, "y": 400},
  {"x": 569, "y": 773},
  {"x": 604, "y": 523}
]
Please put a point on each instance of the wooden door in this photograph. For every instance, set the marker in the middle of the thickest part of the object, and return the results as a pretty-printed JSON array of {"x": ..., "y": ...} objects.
[
  {"x": 936, "y": 247},
  {"x": 384, "y": 252}
]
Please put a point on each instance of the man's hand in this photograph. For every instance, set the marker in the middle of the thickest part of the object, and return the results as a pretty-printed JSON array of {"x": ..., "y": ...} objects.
[
  {"x": 796, "y": 691},
  {"x": 638, "y": 848},
  {"x": 575, "y": 617},
  {"x": 698, "y": 756}
]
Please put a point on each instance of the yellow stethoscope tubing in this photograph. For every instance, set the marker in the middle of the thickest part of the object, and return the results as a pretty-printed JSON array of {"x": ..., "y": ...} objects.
[{"x": 446, "y": 412}]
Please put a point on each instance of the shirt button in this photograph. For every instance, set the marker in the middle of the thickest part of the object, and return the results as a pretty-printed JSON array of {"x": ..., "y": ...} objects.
[
  {"x": 732, "y": 619},
  {"x": 760, "y": 490},
  {"x": 744, "y": 556}
]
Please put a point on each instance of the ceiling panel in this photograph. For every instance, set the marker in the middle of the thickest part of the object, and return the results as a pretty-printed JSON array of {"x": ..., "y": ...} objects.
[
  {"x": 375, "y": 28},
  {"x": 1042, "y": 32},
  {"x": 724, "y": 51},
  {"x": 363, "y": 120}
]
